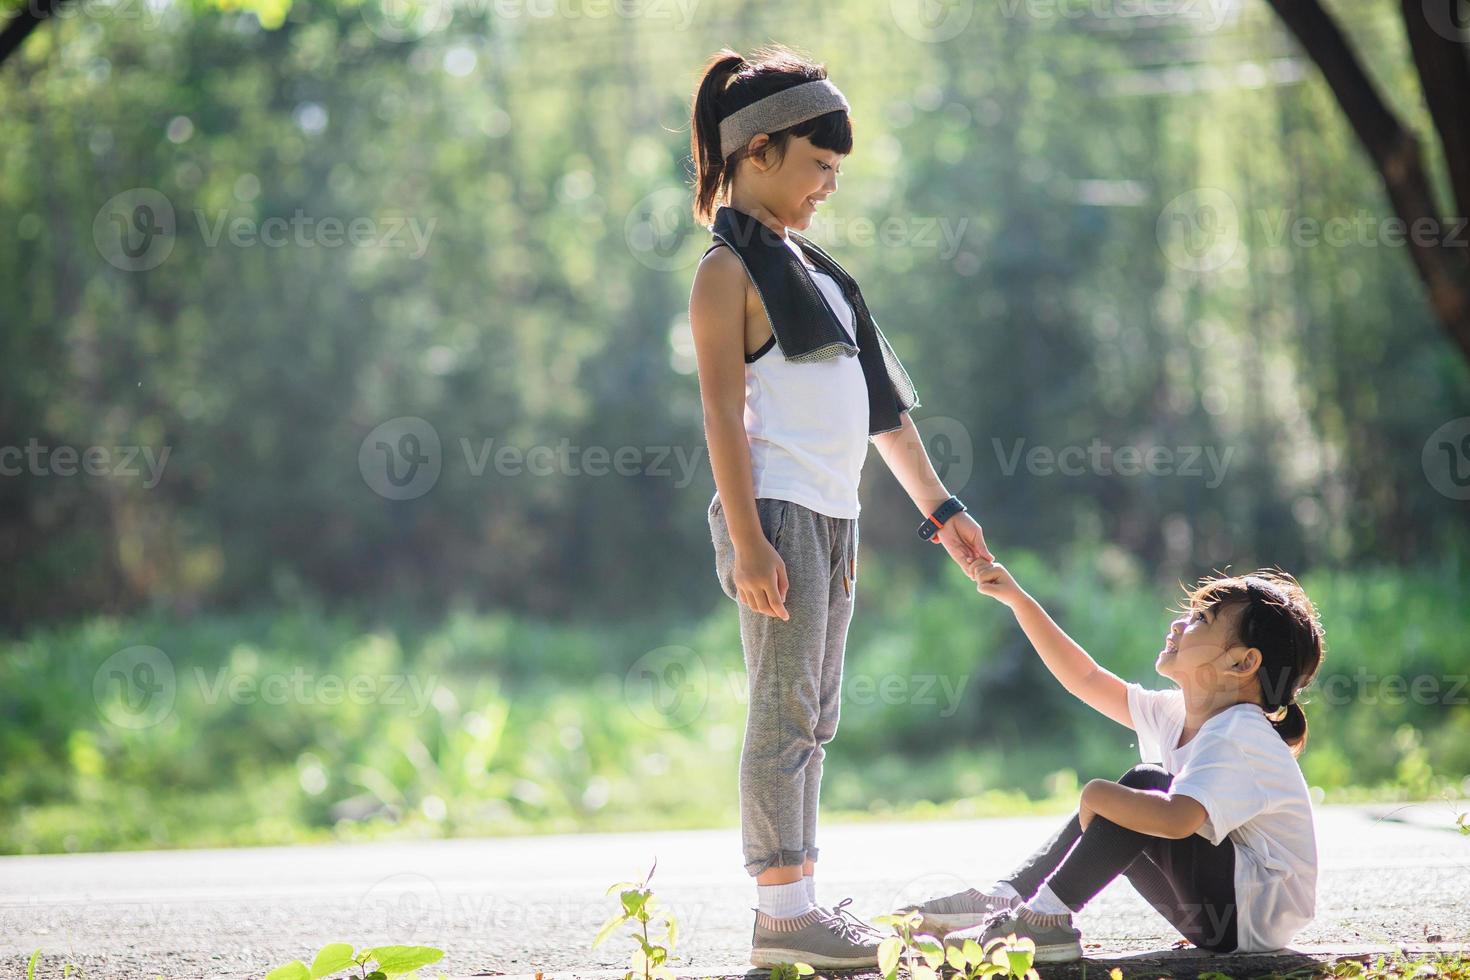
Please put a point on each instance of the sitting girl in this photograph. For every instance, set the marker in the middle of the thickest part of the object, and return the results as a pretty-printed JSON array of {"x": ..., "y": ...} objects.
[{"x": 1217, "y": 833}]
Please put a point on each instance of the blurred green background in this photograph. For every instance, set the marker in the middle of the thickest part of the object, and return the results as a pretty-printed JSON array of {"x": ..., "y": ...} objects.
[{"x": 1076, "y": 231}]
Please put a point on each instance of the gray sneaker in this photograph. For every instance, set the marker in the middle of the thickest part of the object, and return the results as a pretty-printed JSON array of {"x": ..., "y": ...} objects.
[
  {"x": 1056, "y": 939},
  {"x": 962, "y": 910},
  {"x": 823, "y": 938}
]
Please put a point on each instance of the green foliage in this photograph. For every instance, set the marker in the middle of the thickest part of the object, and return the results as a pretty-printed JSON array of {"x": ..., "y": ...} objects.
[
  {"x": 387, "y": 962},
  {"x": 1054, "y": 317},
  {"x": 512, "y": 726},
  {"x": 639, "y": 909},
  {"x": 922, "y": 956}
]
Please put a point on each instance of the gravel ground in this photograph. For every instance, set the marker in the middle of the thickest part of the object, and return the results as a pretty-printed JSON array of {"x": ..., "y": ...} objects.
[{"x": 521, "y": 905}]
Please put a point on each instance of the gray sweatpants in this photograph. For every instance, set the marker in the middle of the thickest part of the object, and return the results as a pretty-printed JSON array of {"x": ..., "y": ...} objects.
[{"x": 795, "y": 675}]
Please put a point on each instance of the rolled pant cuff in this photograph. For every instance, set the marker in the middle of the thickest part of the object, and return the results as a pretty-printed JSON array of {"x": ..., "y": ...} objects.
[{"x": 781, "y": 859}]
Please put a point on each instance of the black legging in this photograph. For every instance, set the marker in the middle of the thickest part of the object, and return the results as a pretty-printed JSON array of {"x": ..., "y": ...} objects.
[{"x": 1190, "y": 882}]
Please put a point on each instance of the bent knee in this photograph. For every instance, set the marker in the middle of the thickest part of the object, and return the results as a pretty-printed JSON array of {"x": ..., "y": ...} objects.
[{"x": 1146, "y": 775}]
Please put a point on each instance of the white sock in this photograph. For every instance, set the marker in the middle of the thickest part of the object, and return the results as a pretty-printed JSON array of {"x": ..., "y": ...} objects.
[
  {"x": 811, "y": 887},
  {"x": 1001, "y": 890},
  {"x": 1047, "y": 903},
  {"x": 784, "y": 901}
]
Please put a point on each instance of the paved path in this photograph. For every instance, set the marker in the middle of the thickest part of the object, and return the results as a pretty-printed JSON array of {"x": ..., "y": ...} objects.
[{"x": 519, "y": 905}]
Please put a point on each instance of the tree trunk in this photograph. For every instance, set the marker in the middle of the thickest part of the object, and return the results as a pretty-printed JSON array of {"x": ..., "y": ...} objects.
[
  {"x": 1442, "y": 264},
  {"x": 19, "y": 27}
]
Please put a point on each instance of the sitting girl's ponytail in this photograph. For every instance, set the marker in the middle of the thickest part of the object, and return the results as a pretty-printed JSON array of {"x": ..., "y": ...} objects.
[{"x": 1290, "y": 722}]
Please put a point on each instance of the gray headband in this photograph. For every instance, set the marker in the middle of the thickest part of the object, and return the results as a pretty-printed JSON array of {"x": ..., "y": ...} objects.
[{"x": 779, "y": 110}]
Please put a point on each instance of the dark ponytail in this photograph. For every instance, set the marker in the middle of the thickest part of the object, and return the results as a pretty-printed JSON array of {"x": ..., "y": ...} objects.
[
  {"x": 730, "y": 83},
  {"x": 1277, "y": 618},
  {"x": 1291, "y": 725},
  {"x": 704, "y": 134}
]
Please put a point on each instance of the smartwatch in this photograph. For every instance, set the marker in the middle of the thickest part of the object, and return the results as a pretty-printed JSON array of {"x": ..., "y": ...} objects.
[{"x": 942, "y": 513}]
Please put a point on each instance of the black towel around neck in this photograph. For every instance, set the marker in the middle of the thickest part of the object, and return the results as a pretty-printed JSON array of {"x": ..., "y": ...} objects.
[{"x": 805, "y": 327}]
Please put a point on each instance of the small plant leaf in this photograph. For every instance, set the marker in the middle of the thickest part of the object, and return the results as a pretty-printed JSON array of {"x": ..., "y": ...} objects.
[
  {"x": 633, "y": 901},
  {"x": 607, "y": 929},
  {"x": 295, "y": 970},
  {"x": 931, "y": 950},
  {"x": 889, "y": 951},
  {"x": 332, "y": 958},
  {"x": 394, "y": 961},
  {"x": 955, "y": 957}
]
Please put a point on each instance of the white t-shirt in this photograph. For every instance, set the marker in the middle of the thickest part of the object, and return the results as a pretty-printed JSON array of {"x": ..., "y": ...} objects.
[{"x": 1253, "y": 792}]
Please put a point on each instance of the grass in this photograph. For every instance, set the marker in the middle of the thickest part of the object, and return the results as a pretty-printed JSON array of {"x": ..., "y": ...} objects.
[{"x": 483, "y": 723}]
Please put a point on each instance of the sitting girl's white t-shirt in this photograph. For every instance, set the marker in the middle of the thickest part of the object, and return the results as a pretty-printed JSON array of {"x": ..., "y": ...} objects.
[{"x": 1253, "y": 792}]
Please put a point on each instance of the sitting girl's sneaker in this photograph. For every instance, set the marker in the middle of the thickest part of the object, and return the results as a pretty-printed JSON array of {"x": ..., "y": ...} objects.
[
  {"x": 962, "y": 910},
  {"x": 1056, "y": 939},
  {"x": 819, "y": 937}
]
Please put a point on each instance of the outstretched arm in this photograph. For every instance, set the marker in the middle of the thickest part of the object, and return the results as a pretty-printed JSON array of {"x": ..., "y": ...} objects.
[
  {"x": 903, "y": 450},
  {"x": 1083, "y": 677}
]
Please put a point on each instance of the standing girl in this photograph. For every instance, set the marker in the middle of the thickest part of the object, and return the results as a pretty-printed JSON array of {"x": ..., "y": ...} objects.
[{"x": 795, "y": 378}]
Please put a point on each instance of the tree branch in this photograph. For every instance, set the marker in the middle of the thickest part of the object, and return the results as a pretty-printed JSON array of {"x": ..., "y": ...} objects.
[
  {"x": 1394, "y": 150},
  {"x": 19, "y": 27},
  {"x": 1444, "y": 73}
]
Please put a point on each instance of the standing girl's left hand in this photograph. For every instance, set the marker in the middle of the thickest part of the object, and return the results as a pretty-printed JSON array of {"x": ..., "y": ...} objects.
[{"x": 964, "y": 540}]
